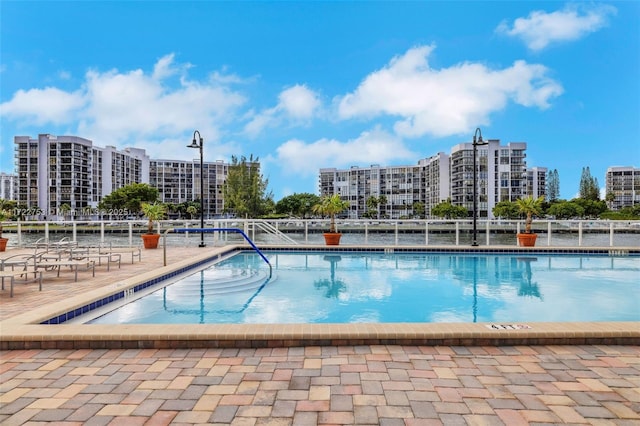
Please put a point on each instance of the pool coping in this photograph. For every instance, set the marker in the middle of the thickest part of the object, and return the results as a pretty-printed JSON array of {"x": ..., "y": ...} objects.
[{"x": 25, "y": 331}]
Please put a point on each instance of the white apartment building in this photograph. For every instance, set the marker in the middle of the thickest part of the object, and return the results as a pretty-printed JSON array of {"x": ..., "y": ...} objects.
[
  {"x": 8, "y": 186},
  {"x": 502, "y": 175},
  {"x": 56, "y": 170},
  {"x": 402, "y": 186},
  {"x": 537, "y": 182},
  {"x": 68, "y": 170},
  {"x": 53, "y": 171},
  {"x": 179, "y": 181},
  {"x": 624, "y": 184}
]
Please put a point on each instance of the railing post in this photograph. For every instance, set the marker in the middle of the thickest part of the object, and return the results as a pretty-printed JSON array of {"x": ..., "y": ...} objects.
[
  {"x": 130, "y": 234},
  {"x": 396, "y": 233},
  {"x": 19, "y": 233},
  {"x": 46, "y": 232},
  {"x": 549, "y": 233},
  {"x": 457, "y": 233},
  {"x": 366, "y": 232},
  {"x": 426, "y": 232},
  {"x": 580, "y": 234},
  {"x": 488, "y": 231},
  {"x": 611, "y": 234}
]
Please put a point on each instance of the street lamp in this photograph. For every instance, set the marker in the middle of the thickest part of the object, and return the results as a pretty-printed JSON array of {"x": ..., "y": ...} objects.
[
  {"x": 477, "y": 142},
  {"x": 195, "y": 144}
]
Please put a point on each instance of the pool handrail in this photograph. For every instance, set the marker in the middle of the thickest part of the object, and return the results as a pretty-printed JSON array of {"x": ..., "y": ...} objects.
[{"x": 211, "y": 230}]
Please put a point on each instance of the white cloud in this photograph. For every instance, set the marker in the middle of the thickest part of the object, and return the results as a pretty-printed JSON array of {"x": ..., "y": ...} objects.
[
  {"x": 43, "y": 106},
  {"x": 541, "y": 29},
  {"x": 296, "y": 105},
  {"x": 165, "y": 67},
  {"x": 299, "y": 102},
  {"x": 448, "y": 101},
  {"x": 372, "y": 147},
  {"x": 126, "y": 108}
]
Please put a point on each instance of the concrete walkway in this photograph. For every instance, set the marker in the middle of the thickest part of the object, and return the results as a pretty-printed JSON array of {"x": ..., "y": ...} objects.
[{"x": 330, "y": 385}]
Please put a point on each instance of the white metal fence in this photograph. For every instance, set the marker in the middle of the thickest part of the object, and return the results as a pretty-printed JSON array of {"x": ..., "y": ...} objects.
[{"x": 556, "y": 233}]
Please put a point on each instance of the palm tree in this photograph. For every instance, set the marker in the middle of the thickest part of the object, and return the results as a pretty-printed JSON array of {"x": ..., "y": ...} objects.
[
  {"x": 331, "y": 206},
  {"x": 153, "y": 212},
  {"x": 610, "y": 198},
  {"x": 530, "y": 206},
  {"x": 4, "y": 215}
]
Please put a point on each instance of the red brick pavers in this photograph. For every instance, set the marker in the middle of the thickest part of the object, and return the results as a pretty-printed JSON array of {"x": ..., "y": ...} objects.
[{"x": 362, "y": 385}]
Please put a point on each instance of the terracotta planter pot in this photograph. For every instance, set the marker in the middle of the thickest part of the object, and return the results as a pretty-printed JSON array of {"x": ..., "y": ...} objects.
[
  {"x": 527, "y": 240},
  {"x": 3, "y": 244},
  {"x": 331, "y": 238},
  {"x": 150, "y": 241}
]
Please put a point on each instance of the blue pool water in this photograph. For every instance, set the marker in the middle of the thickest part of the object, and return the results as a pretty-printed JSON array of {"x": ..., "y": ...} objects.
[{"x": 322, "y": 287}]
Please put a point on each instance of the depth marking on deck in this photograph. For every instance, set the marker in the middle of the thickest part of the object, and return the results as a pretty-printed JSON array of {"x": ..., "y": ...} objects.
[{"x": 508, "y": 326}]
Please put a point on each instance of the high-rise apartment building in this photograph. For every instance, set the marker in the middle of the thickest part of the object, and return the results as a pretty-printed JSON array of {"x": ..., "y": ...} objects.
[
  {"x": 179, "y": 181},
  {"x": 502, "y": 175},
  {"x": 54, "y": 171},
  {"x": 68, "y": 170},
  {"x": 624, "y": 184},
  {"x": 8, "y": 186},
  {"x": 399, "y": 186},
  {"x": 537, "y": 182}
]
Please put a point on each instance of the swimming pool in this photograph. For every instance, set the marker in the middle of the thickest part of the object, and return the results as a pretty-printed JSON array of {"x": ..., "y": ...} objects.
[{"x": 357, "y": 287}]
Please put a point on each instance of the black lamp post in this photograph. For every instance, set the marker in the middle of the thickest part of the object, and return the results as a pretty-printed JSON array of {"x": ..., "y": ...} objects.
[
  {"x": 476, "y": 142},
  {"x": 195, "y": 144}
]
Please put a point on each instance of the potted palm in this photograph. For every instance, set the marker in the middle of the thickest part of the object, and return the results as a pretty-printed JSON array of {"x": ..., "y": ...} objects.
[
  {"x": 4, "y": 215},
  {"x": 529, "y": 206},
  {"x": 331, "y": 206},
  {"x": 153, "y": 212}
]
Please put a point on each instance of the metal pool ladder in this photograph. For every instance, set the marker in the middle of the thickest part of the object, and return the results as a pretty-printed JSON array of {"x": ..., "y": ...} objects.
[{"x": 209, "y": 231}]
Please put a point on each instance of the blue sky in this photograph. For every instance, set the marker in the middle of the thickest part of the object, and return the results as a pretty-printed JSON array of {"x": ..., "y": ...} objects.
[{"x": 306, "y": 85}]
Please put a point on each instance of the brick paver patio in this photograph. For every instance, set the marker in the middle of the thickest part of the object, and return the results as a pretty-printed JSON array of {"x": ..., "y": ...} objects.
[
  {"x": 363, "y": 385},
  {"x": 330, "y": 385}
]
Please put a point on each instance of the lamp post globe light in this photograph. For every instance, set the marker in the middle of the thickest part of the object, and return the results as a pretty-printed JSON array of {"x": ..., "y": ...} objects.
[
  {"x": 477, "y": 140},
  {"x": 197, "y": 143}
]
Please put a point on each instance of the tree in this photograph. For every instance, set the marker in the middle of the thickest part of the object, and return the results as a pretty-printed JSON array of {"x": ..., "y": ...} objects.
[
  {"x": 449, "y": 211},
  {"x": 589, "y": 188},
  {"x": 531, "y": 207},
  {"x": 12, "y": 210},
  {"x": 553, "y": 185},
  {"x": 591, "y": 208},
  {"x": 245, "y": 191},
  {"x": 64, "y": 209},
  {"x": 153, "y": 212},
  {"x": 4, "y": 215},
  {"x": 419, "y": 209},
  {"x": 331, "y": 206},
  {"x": 565, "y": 210},
  {"x": 610, "y": 198},
  {"x": 297, "y": 204},
  {"x": 128, "y": 199},
  {"x": 373, "y": 205},
  {"x": 506, "y": 210},
  {"x": 192, "y": 211}
]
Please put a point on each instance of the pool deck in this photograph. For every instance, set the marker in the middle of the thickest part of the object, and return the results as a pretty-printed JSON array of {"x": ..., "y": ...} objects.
[{"x": 414, "y": 374}]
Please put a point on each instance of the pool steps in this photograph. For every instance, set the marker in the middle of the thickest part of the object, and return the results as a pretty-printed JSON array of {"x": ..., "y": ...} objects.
[{"x": 226, "y": 281}]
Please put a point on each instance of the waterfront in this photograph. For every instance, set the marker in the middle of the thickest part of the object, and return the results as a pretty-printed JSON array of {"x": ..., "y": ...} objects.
[{"x": 585, "y": 233}]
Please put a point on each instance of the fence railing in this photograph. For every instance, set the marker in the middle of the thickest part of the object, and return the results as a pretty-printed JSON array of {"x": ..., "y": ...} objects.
[{"x": 581, "y": 233}]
